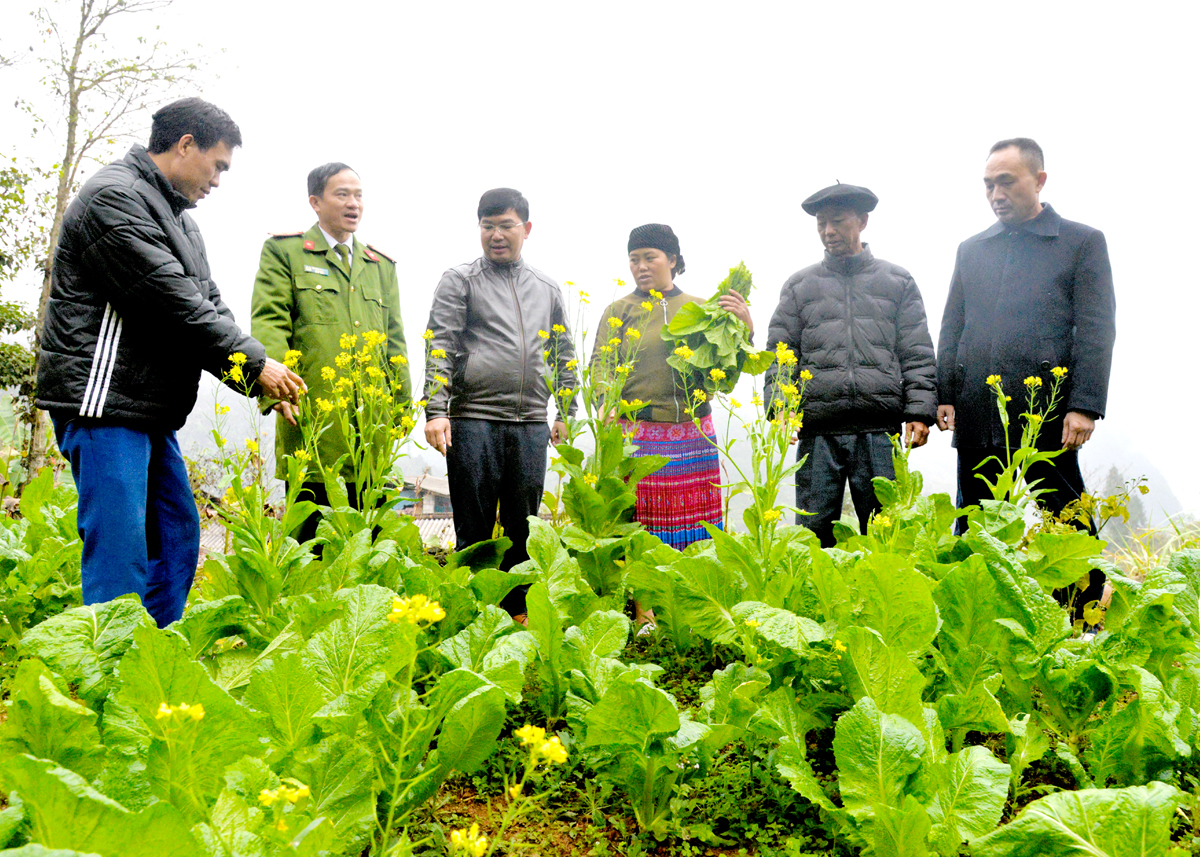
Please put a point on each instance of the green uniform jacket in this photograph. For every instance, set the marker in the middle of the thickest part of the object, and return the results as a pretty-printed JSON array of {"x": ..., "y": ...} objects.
[{"x": 304, "y": 300}]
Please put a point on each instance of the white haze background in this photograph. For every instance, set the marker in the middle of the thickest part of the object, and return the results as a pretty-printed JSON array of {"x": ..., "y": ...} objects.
[{"x": 717, "y": 119}]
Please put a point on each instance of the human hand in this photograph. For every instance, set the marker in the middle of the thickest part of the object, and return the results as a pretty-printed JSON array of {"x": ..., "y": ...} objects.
[
  {"x": 1077, "y": 429},
  {"x": 795, "y": 438},
  {"x": 915, "y": 434},
  {"x": 288, "y": 411},
  {"x": 736, "y": 304},
  {"x": 279, "y": 382},
  {"x": 437, "y": 434},
  {"x": 945, "y": 417},
  {"x": 558, "y": 433}
]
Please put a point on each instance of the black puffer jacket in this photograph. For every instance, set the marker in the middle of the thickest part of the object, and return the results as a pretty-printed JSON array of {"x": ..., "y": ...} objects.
[
  {"x": 858, "y": 325},
  {"x": 133, "y": 315}
]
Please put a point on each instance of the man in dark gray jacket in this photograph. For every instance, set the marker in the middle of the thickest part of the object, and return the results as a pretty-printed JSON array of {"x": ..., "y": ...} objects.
[
  {"x": 501, "y": 345},
  {"x": 132, "y": 318},
  {"x": 857, "y": 324}
]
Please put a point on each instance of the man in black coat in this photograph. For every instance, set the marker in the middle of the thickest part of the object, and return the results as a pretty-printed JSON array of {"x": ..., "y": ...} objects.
[
  {"x": 857, "y": 325},
  {"x": 1031, "y": 293},
  {"x": 132, "y": 318}
]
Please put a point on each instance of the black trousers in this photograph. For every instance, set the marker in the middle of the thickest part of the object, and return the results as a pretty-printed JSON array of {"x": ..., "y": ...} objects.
[
  {"x": 1065, "y": 481},
  {"x": 834, "y": 459},
  {"x": 492, "y": 462}
]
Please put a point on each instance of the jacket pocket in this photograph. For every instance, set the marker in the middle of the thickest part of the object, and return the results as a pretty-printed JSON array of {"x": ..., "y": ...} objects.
[{"x": 316, "y": 299}]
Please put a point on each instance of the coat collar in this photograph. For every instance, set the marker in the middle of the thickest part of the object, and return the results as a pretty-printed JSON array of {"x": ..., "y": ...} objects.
[
  {"x": 140, "y": 160},
  {"x": 517, "y": 266},
  {"x": 1046, "y": 225},
  {"x": 849, "y": 264}
]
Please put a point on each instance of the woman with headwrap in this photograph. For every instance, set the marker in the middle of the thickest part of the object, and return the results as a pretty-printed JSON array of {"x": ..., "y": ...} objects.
[{"x": 675, "y": 502}]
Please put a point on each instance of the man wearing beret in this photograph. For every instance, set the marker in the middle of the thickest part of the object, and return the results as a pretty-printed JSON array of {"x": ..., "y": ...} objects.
[
  {"x": 858, "y": 324},
  {"x": 1032, "y": 293},
  {"x": 312, "y": 288}
]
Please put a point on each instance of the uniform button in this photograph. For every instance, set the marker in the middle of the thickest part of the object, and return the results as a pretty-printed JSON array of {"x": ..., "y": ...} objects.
[
  {"x": 318, "y": 287},
  {"x": 352, "y": 288},
  {"x": 1045, "y": 365},
  {"x": 356, "y": 324}
]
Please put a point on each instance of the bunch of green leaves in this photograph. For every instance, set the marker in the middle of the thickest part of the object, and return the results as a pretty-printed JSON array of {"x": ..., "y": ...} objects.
[{"x": 708, "y": 337}]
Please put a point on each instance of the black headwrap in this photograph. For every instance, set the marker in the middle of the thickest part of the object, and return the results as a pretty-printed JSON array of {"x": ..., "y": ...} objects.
[{"x": 660, "y": 237}]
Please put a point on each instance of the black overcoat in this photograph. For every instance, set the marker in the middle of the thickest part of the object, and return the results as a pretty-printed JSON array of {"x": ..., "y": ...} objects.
[{"x": 1023, "y": 301}]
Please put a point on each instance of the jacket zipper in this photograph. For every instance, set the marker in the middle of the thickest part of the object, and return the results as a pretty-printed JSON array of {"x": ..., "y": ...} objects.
[
  {"x": 850, "y": 337},
  {"x": 521, "y": 326}
]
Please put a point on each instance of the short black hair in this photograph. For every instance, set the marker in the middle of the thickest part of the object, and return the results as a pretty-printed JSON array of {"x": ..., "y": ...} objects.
[
  {"x": 320, "y": 176},
  {"x": 1030, "y": 151},
  {"x": 500, "y": 199},
  {"x": 207, "y": 123}
]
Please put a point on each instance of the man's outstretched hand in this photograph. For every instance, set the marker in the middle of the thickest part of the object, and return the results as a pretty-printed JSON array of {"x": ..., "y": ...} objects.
[
  {"x": 1077, "y": 429},
  {"x": 279, "y": 382},
  {"x": 437, "y": 434}
]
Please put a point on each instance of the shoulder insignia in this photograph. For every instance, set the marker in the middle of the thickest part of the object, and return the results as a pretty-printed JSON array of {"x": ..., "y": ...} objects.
[
  {"x": 286, "y": 234},
  {"x": 371, "y": 248},
  {"x": 310, "y": 245}
]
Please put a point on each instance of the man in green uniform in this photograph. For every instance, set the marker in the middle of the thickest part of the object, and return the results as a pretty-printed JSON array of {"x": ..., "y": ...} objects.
[{"x": 312, "y": 288}]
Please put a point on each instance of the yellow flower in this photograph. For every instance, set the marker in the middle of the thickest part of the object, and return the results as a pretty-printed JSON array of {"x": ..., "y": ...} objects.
[
  {"x": 251, "y": 445},
  {"x": 343, "y": 360},
  {"x": 399, "y": 360},
  {"x": 558, "y": 328},
  {"x": 992, "y": 380},
  {"x": 164, "y": 710},
  {"x": 616, "y": 340},
  {"x": 471, "y": 841},
  {"x": 565, "y": 393},
  {"x": 583, "y": 297},
  {"x": 291, "y": 359},
  {"x": 716, "y": 375},
  {"x": 236, "y": 375},
  {"x": 514, "y": 792},
  {"x": 620, "y": 283},
  {"x": 281, "y": 825},
  {"x": 839, "y": 646},
  {"x": 735, "y": 404},
  {"x": 1059, "y": 372},
  {"x": 543, "y": 334},
  {"x": 1033, "y": 382},
  {"x": 636, "y": 404},
  {"x": 552, "y": 751},
  {"x": 546, "y": 354},
  {"x": 657, "y": 295},
  {"x": 237, "y": 358},
  {"x": 439, "y": 353},
  {"x": 427, "y": 335},
  {"x": 772, "y": 515},
  {"x": 297, "y": 794},
  {"x": 328, "y": 373},
  {"x": 407, "y": 423},
  {"x": 348, "y": 341},
  {"x": 267, "y": 797},
  {"x": 415, "y": 610},
  {"x": 633, "y": 333},
  {"x": 883, "y": 520},
  {"x": 784, "y": 355},
  {"x": 590, "y": 478},
  {"x": 789, "y": 390},
  {"x": 752, "y": 623},
  {"x": 805, "y": 375},
  {"x": 700, "y": 395},
  {"x": 571, "y": 364},
  {"x": 530, "y": 734},
  {"x": 614, "y": 323},
  {"x": 373, "y": 339},
  {"x": 302, "y": 456},
  {"x": 441, "y": 379},
  {"x": 1034, "y": 418},
  {"x": 374, "y": 372},
  {"x": 647, "y": 306},
  {"x": 222, "y": 410},
  {"x": 324, "y": 406},
  {"x": 622, "y": 370},
  {"x": 684, "y": 352},
  {"x": 605, "y": 349}
]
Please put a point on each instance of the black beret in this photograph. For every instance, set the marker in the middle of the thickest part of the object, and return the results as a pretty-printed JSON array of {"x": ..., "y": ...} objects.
[{"x": 843, "y": 196}]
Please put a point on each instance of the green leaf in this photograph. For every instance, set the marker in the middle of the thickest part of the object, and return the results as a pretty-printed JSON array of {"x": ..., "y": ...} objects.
[
  {"x": 782, "y": 627},
  {"x": 340, "y": 774},
  {"x": 792, "y": 765},
  {"x": 883, "y": 674},
  {"x": 209, "y": 621},
  {"x": 65, "y": 812},
  {"x": 1059, "y": 559},
  {"x": 877, "y": 756},
  {"x": 354, "y": 656},
  {"x": 705, "y": 593},
  {"x": 471, "y": 728},
  {"x": 897, "y": 601},
  {"x": 187, "y": 758},
  {"x": 970, "y": 804},
  {"x": 631, "y": 714},
  {"x": 35, "y": 850},
  {"x": 1026, "y": 743},
  {"x": 285, "y": 689},
  {"x": 603, "y": 634},
  {"x": 45, "y": 723},
  {"x": 758, "y": 362},
  {"x": 84, "y": 644},
  {"x": 1132, "y": 822},
  {"x": 901, "y": 831},
  {"x": 977, "y": 709},
  {"x": 969, "y": 638}
]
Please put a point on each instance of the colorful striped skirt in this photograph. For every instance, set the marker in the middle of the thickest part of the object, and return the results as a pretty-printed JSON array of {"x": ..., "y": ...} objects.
[{"x": 672, "y": 503}]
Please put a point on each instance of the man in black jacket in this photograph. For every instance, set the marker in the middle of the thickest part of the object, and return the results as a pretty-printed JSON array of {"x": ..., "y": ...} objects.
[
  {"x": 132, "y": 319},
  {"x": 857, "y": 324},
  {"x": 1032, "y": 293}
]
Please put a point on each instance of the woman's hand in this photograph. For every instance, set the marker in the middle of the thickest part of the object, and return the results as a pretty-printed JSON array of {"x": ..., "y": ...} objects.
[{"x": 736, "y": 304}]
